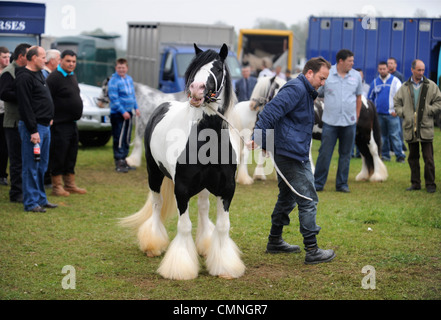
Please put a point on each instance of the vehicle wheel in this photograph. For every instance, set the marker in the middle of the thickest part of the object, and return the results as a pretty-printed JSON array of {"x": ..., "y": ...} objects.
[{"x": 94, "y": 138}]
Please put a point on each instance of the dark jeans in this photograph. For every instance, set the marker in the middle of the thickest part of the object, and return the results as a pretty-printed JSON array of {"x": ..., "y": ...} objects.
[
  {"x": 13, "y": 141},
  {"x": 414, "y": 163},
  {"x": 330, "y": 135},
  {"x": 33, "y": 171},
  {"x": 300, "y": 176},
  {"x": 122, "y": 132},
  {"x": 64, "y": 148}
]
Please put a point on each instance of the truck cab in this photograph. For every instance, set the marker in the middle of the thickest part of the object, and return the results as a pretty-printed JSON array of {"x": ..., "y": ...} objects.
[{"x": 174, "y": 62}]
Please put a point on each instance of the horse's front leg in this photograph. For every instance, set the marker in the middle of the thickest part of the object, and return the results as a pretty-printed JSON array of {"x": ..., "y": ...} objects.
[
  {"x": 205, "y": 226},
  {"x": 223, "y": 258},
  {"x": 181, "y": 261}
]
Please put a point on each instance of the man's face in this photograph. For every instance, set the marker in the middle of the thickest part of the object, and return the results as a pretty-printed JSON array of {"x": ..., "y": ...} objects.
[
  {"x": 347, "y": 64},
  {"x": 40, "y": 59},
  {"x": 418, "y": 72},
  {"x": 246, "y": 72},
  {"x": 391, "y": 65},
  {"x": 121, "y": 69},
  {"x": 383, "y": 70},
  {"x": 4, "y": 59},
  {"x": 68, "y": 63},
  {"x": 317, "y": 79}
]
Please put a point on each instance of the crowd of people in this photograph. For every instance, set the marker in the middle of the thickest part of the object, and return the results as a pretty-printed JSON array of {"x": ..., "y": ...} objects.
[
  {"x": 415, "y": 101},
  {"x": 40, "y": 103}
]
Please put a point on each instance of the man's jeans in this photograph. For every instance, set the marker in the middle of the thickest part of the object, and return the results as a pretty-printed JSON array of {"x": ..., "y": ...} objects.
[
  {"x": 300, "y": 176},
  {"x": 390, "y": 131},
  {"x": 330, "y": 134},
  {"x": 33, "y": 171}
]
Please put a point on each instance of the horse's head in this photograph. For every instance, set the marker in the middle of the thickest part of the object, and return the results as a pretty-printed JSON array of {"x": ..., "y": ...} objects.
[
  {"x": 266, "y": 88},
  {"x": 208, "y": 80}
]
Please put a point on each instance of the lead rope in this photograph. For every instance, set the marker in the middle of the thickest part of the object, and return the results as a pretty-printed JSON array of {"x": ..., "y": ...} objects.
[{"x": 270, "y": 154}]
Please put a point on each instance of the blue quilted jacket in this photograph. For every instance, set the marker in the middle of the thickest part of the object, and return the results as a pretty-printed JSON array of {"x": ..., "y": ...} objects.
[{"x": 291, "y": 114}]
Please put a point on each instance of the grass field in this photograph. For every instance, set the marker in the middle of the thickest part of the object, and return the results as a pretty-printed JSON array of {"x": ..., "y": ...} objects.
[{"x": 402, "y": 245}]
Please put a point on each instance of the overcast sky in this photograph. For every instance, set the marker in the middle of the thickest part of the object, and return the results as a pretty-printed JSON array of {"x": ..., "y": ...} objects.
[{"x": 71, "y": 17}]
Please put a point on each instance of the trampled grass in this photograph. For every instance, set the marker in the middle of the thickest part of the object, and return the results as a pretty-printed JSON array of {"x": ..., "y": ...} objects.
[{"x": 402, "y": 245}]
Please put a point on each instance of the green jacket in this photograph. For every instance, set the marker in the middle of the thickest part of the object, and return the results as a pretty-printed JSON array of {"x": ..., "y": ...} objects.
[
  {"x": 418, "y": 122},
  {"x": 12, "y": 115}
]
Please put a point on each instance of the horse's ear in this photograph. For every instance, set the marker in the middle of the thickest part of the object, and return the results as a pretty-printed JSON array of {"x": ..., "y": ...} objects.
[
  {"x": 223, "y": 52},
  {"x": 196, "y": 49}
]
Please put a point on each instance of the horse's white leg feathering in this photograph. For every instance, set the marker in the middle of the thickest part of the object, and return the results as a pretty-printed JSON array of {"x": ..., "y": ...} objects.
[{"x": 223, "y": 259}]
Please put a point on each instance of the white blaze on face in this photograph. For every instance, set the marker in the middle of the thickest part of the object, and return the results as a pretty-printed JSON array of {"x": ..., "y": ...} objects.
[{"x": 197, "y": 88}]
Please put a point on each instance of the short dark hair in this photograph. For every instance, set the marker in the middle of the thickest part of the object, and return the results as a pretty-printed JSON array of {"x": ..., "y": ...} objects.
[
  {"x": 68, "y": 52},
  {"x": 382, "y": 63},
  {"x": 344, "y": 54},
  {"x": 4, "y": 50},
  {"x": 122, "y": 61},
  {"x": 315, "y": 64},
  {"x": 33, "y": 51},
  {"x": 20, "y": 50},
  {"x": 392, "y": 58}
]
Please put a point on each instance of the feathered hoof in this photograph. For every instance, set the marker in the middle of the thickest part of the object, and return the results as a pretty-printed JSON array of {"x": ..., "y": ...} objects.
[{"x": 261, "y": 177}]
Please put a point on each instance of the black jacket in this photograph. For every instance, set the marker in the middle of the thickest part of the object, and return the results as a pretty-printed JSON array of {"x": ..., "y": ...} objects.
[
  {"x": 34, "y": 99},
  {"x": 66, "y": 96}
]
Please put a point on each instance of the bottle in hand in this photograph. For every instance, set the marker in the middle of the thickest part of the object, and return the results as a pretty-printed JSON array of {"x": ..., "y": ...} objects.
[{"x": 36, "y": 152}]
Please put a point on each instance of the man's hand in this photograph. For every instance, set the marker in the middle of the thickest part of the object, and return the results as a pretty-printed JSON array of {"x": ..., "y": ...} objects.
[{"x": 35, "y": 138}]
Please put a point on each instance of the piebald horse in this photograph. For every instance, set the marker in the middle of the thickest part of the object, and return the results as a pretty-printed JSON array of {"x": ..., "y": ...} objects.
[{"x": 190, "y": 151}]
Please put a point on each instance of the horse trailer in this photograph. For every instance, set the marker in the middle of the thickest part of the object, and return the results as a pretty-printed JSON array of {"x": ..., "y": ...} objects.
[
  {"x": 279, "y": 46},
  {"x": 376, "y": 39},
  {"x": 159, "y": 52},
  {"x": 95, "y": 57}
]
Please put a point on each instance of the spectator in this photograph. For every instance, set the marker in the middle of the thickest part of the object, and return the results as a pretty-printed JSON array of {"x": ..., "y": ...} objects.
[
  {"x": 266, "y": 71},
  {"x": 52, "y": 61},
  {"x": 4, "y": 62},
  {"x": 342, "y": 92},
  {"x": 392, "y": 68},
  {"x": 245, "y": 86},
  {"x": 417, "y": 102},
  {"x": 11, "y": 119},
  {"x": 68, "y": 106},
  {"x": 36, "y": 113},
  {"x": 381, "y": 93},
  {"x": 122, "y": 105}
]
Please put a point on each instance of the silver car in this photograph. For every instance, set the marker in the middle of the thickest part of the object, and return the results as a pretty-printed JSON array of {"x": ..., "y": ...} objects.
[{"x": 94, "y": 126}]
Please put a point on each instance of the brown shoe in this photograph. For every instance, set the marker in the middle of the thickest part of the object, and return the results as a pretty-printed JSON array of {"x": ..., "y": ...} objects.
[
  {"x": 70, "y": 186},
  {"x": 57, "y": 187}
]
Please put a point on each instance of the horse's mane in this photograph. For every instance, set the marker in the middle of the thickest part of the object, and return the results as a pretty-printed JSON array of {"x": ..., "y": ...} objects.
[{"x": 200, "y": 60}]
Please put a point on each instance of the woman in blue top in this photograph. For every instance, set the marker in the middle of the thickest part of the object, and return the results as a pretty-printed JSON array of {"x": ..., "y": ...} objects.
[{"x": 121, "y": 93}]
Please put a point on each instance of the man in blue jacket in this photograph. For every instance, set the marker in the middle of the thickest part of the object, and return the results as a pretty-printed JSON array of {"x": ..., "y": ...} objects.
[
  {"x": 291, "y": 115},
  {"x": 122, "y": 106}
]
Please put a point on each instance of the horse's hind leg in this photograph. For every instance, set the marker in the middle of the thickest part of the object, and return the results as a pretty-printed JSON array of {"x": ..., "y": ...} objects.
[
  {"x": 205, "y": 226},
  {"x": 223, "y": 259},
  {"x": 152, "y": 236}
]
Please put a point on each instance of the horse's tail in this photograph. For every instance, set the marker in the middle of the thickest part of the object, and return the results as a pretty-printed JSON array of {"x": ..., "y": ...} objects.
[
  {"x": 376, "y": 129},
  {"x": 168, "y": 208}
]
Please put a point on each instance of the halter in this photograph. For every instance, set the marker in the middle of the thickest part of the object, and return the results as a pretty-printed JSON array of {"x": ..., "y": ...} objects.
[
  {"x": 270, "y": 95},
  {"x": 214, "y": 96}
]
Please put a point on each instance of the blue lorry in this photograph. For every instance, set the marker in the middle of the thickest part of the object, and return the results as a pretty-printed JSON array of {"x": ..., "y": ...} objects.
[
  {"x": 377, "y": 39},
  {"x": 159, "y": 52}
]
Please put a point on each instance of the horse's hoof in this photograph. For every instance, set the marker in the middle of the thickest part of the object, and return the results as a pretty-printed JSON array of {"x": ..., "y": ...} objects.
[{"x": 226, "y": 276}]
